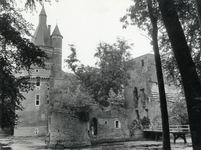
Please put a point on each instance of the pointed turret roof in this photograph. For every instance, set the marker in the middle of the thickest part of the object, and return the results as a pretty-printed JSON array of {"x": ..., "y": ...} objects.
[
  {"x": 41, "y": 33},
  {"x": 43, "y": 12},
  {"x": 56, "y": 31}
]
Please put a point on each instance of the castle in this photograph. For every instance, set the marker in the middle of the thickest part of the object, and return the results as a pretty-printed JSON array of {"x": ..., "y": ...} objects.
[{"x": 141, "y": 95}]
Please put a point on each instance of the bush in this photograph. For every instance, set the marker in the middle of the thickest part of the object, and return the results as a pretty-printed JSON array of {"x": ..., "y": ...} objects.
[{"x": 145, "y": 121}]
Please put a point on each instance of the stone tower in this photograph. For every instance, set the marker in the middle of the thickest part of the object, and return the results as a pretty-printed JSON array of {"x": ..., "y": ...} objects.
[
  {"x": 142, "y": 94},
  {"x": 33, "y": 120}
]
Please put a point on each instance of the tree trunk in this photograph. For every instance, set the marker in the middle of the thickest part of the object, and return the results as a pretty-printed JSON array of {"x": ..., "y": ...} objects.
[
  {"x": 1, "y": 100},
  {"x": 191, "y": 83},
  {"x": 198, "y": 6},
  {"x": 163, "y": 102}
]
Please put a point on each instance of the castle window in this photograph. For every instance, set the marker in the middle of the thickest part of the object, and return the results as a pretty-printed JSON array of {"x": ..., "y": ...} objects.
[
  {"x": 47, "y": 98},
  {"x": 147, "y": 112},
  {"x": 37, "y": 81},
  {"x": 37, "y": 100},
  {"x": 117, "y": 124},
  {"x": 36, "y": 131},
  {"x": 142, "y": 62},
  {"x": 137, "y": 113},
  {"x": 105, "y": 121}
]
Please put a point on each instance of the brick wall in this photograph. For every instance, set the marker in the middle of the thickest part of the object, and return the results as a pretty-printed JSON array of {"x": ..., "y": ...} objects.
[
  {"x": 107, "y": 129},
  {"x": 68, "y": 129}
]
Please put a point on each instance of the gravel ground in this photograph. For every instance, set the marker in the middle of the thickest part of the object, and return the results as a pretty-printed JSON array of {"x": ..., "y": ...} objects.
[{"x": 38, "y": 143}]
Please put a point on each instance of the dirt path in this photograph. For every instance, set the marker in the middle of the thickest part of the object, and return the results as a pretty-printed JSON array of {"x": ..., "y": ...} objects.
[{"x": 38, "y": 143}]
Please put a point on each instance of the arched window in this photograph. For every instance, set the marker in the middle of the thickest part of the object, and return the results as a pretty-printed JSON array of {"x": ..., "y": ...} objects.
[{"x": 117, "y": 124}]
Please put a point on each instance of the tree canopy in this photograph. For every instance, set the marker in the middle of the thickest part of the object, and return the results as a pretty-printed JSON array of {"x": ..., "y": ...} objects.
[
  {"x": 17, "y": 53},
  {"x": 138, "y": 15},
  {"x": 110, "y": 71}
]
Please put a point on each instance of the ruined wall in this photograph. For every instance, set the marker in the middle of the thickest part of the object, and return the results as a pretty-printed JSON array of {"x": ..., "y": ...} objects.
[
  {"x": 31, "y": 131},
  {"x": 70, "y": 130},
  {"x": 112, "y": 125},
  {"x": 141, "y": 93}
]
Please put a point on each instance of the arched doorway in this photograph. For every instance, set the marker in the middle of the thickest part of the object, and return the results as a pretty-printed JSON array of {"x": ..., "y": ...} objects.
[{"x": 93, "y": 126}]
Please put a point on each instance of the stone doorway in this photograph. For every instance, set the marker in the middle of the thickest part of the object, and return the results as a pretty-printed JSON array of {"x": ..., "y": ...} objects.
[{"x": 94, "y": 126}]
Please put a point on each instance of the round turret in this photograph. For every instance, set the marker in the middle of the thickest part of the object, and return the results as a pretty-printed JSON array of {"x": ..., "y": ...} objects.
[{"x": 56, "y": 39}]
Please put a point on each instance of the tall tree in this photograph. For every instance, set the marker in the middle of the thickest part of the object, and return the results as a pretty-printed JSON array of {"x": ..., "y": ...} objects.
[
  {"x": 17, "y": 53},
  {"x": 198, "y": 6},
  {"x": 153, "y": 14},
  {"x": 188, "y": 17},
  {"x": 110, "y": 71},
  {"x": 191, "y": 83}
]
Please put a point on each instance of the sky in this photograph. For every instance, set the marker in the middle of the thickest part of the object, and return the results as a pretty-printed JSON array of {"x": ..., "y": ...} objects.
[{"x": 86, "y": 23}]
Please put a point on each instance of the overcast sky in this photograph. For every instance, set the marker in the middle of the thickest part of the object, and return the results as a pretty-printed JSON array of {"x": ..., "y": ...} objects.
[{"x": 85, "y": 23}]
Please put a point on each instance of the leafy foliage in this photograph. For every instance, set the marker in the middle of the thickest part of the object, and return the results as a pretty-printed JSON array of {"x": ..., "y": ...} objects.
[
  {"x": 29, "y": 4},
  {"x": 138, "y": 15},
  {"x": 110, "y": 71},
  {"x": 145, "y": 121},
  {"x": 178, "y": 113},
  {"x": 17, "y": 53},
  {"x": 72, "y": 98},
  {"x": 135, "y": 125}
]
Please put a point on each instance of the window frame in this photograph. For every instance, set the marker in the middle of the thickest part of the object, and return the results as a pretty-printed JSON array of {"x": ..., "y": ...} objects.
[
  {"x": 117, "y": 124},
  {"x": 37, "y": 99},
  {"x": 38, "y": 82}
]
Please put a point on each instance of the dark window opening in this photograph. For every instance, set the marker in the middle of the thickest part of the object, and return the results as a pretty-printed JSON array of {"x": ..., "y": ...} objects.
[
  {"x": 147, "y": 112},
  {"x": 137, "y": 113},
  {"x": 94, "y": 126},
  {"x": 142, "y": 62},
  {"x": 37, "y": 81},
  {"x": 37, "y": 100},
  {"x": 36, "y": 131},
  {"x": 117, "y": 124}
]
